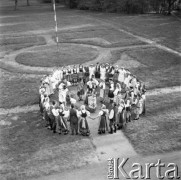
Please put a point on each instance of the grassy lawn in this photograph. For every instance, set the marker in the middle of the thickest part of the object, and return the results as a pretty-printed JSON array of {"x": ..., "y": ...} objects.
[
  {"x": 162, "y": 29},
  {"x": 28, "y": 149},
  {"x": 13, "y": 43},
  {"x": 93, "y": 35},
  {"x": 157, "y": 67},
  {"x": 48, "y": 57},
  {"x": 159, "y": 131},
  {"x": 18, "y": 89},
  {"x": 40, "y": 18}
]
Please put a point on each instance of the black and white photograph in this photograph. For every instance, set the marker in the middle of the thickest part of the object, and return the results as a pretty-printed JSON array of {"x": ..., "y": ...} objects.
[{"x": 90, "y": 89}]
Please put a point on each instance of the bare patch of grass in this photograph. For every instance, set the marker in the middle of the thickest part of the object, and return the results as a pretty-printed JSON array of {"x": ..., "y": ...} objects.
[{"x": 159, "y": 131}]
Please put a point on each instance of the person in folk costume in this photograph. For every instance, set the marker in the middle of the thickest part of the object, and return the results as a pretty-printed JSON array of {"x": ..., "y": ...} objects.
[
  {"x": 56, "y": 77},
  {"x": 107, "y": 66},
  {"x": 111, "y": 91},
  {"x": 121, "y": 75},
  {"x": 80, "y": 90},
  {"x": 112, "y": 119},
  {"x": 128, "y": 109},
  {"x": 55, "y": 112},
  {"x": 89, "y": 90},
  {"x": 123, "y": 93},
  {"x": 143, "y": 97},
  {"x": 90, "y": 85},
  {"x": 64, "y": 73},
  {"x": 51, "y": 116},
  {"x": 60, "y": 74},
  {"x": 117, "y": 89},
  {"x": 102, "y": 86},
  {"x": 91, "y": 71},
  {"x": 142, "y": 89},
  {"x": 103, "y": 72},
  {"x": 116, "y": 74},
  {"x": 81, "y": 72},
  {"x": 95, "y": 82},
  {"x": 118, "y": 98},
  {"x": 48, "y": 86},
  {"x": 63, "y": 90},
  {"x": 51, "y": 85},
  {"x": 75, "y": 75},
  {"x": 73, "y": 118},
  {"x": 127, "y": 81},
  {"x": 111, "y": 72},
  {"x": 86, "y": 74},
  {"x": 70, "y": 100},
  {"x": 41, "y": 97},
  {"x": 134, "y": 82},
  {"x": 53, "y": 81},
  {"x": 121, "y": 114},
  {"x": 135, "y": 107},
  {"x": 69, "y": 74},
  {"x": 103, "y": 127},
  {"x": 46, "y": 105},
  {"x": 83, "y": 125},
  {"x": 97, "y": 73},
  {"x": 65, "y": 83},
  {"x": 63, "y": 122}
]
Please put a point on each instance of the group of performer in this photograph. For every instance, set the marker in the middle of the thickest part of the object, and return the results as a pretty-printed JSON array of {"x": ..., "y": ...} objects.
[{"x": 104, "y": 83}]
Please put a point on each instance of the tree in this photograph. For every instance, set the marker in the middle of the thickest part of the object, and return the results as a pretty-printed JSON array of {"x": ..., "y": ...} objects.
[
  {"x": 16, "y": 3},
  {"x": 170, "y": 5}
]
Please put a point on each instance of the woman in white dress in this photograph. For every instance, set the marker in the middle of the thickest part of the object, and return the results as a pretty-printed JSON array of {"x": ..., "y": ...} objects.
[
  {"x": 117, "y": 89},
  {"x": 121, "y": 75},
  {"x": 102, "y": 72},
  {"x": 92, "y": 70}
]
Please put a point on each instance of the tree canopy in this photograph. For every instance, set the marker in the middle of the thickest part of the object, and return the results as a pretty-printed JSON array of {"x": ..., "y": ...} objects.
[{"x": 125, "y": 6}]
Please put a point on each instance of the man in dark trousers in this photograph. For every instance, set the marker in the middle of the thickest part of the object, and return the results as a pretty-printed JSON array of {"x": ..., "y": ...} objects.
[{"x": 73, "y": 120}]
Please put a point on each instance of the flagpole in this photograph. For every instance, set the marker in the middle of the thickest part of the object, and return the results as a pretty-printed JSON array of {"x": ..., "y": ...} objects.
[{"x": 56, "y": 25}]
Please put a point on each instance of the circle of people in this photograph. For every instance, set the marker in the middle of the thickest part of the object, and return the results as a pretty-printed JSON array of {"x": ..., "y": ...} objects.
[{"x": 108, "y": 84}]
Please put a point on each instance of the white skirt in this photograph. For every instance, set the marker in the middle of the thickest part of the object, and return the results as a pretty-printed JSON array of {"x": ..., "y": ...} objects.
[{"x": 102, "y": 93}]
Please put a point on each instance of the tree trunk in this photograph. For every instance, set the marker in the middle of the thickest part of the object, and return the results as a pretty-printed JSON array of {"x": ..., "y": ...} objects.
[
  {"x": 15, "y": 5},
  {"x": 28, "y": 3}
]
